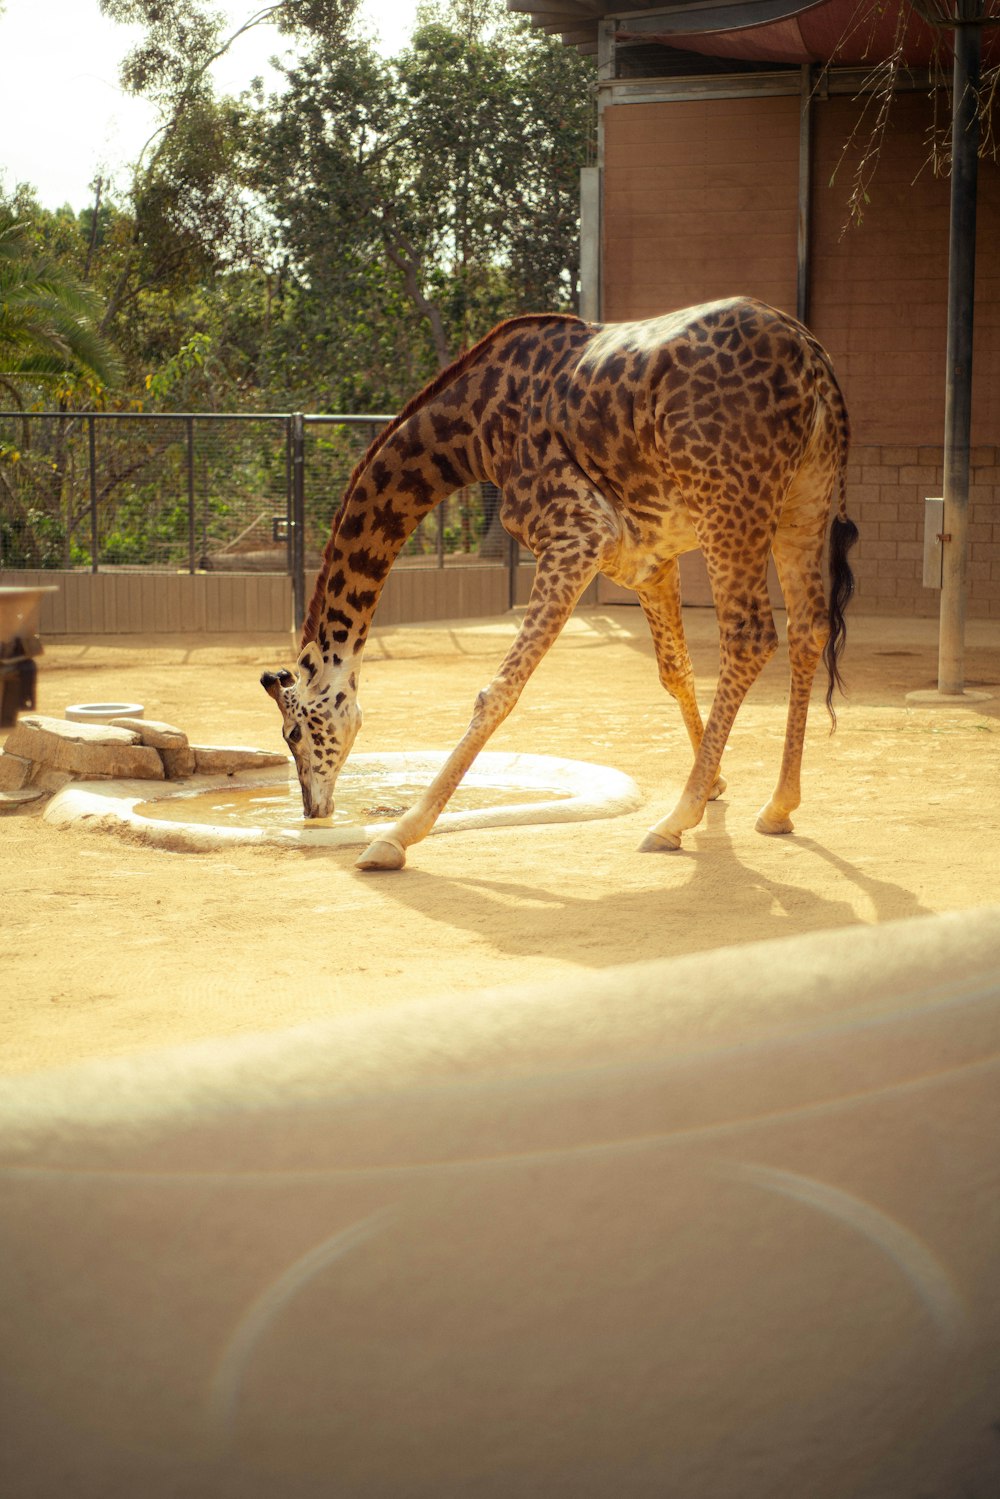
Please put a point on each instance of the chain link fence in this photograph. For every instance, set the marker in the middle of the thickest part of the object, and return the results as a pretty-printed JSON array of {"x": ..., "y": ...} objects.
[{"x": 99, "y": 491}]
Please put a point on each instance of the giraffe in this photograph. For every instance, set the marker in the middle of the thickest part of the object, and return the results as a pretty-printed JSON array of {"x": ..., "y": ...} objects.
[{"x": 616, "y": 447}]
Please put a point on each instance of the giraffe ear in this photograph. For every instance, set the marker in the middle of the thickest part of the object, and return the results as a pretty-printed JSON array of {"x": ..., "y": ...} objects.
[{"x": 310, "y": 663}]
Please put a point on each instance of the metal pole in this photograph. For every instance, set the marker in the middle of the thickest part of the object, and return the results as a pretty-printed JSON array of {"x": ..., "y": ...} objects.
[
  {"x": 95, "y": 540},
  {"x": 961, "y": 311},
  {"x": 192, "y": 549},
  {"x": 289, "y": 493},
  {"x": 298, "y": 526}
]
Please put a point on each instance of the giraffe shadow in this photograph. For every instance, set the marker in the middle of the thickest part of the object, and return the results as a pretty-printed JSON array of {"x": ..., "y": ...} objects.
[{"x": 693, "y": 900}]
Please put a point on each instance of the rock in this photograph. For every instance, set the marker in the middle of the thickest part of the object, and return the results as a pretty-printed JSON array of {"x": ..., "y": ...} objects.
[
  {"x": 178, "y": 763},
  {"x": 24, "y": 796},
  {"x": 85, "y": 751},
  {"x": 15, "y": 772},
  {"x": 158, "y": 735},
  {"x": 34, "y": 730},
  {"x": 46, "y": 780},
  {"x": 218, "y": 760}
]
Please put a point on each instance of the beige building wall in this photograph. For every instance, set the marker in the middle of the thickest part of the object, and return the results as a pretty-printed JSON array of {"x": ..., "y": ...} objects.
[{"x": 699, "y": 203}]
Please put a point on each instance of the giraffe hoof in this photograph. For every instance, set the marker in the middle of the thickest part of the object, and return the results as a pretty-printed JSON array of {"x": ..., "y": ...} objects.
[
  {"x": 384, "y": 853},
  {"x": 718, "y": 787},
  {"x": 660, "y": 843},
  {"x": 774, "y": 823}
]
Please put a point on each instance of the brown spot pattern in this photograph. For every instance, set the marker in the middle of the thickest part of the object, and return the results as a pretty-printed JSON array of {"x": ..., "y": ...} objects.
[{"x": 617, "y": 447}]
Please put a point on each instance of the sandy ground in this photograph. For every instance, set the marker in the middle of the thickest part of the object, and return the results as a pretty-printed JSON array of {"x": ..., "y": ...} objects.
[{"x": 110, "y": 948}]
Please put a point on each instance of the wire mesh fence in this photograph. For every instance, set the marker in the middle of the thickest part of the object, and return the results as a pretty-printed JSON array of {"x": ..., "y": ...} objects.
[
  {"x": 202, "y": 493},
  {"x": 465, "y": 527},
  {"x": 123, "y": 490}
]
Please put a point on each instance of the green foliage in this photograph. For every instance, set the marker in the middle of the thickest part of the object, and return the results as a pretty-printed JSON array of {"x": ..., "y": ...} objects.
[
  {"x": 442, "y": 182},
  {"x": 189, "y": 359},
  {"x": 326, "y": 248},
  {"x": 48, "y": 323}
]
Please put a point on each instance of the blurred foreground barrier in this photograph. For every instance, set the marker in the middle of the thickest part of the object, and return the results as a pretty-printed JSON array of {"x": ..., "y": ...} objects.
[{"x": 719, "y": 1227}]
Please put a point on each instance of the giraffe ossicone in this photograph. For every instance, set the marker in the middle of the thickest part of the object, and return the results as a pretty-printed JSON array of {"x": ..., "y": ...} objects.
[{"x": 616, "y": 447}]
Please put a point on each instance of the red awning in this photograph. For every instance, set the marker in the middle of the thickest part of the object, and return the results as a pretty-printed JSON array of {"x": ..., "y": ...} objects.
[{"x": 834, "y": 31}]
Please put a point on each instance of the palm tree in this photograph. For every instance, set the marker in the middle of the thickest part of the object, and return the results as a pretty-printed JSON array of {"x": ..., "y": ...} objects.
[{"x": 48, "y": 320}]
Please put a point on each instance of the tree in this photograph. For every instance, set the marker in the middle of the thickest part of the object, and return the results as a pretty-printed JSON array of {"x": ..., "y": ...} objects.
[
  {"x": 49, "y": 321},
  {"x": 332, "y": 246},
  {"x": 186, "y": 253},
  {"x": 442, "y": 183}
]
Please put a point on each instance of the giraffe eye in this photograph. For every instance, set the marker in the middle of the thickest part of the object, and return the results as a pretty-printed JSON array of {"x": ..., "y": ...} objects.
[{"x": 294, "y": 734}]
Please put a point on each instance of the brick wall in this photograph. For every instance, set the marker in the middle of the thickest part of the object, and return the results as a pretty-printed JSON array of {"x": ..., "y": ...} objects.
[
  {"x": 879, "y": 302},
  {"x": 887, "y": 486},
  {"x": 700, "y": 201},
  {"x": 879, "y": 291}
]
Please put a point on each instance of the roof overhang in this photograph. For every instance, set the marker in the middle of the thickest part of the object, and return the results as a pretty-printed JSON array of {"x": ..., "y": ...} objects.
[{"x": 844, "y": 32}]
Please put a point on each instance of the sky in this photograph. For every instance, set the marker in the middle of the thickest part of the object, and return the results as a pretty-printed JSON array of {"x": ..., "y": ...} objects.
[{"x": 63, "y": 116}]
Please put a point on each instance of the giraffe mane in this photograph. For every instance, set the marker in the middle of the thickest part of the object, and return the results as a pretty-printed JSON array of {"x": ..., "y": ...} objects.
[{"x": 429, "y": 391}]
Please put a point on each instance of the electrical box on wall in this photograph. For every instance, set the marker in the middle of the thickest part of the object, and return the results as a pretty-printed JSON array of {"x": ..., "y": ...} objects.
[{"x": 933, "y": 543}]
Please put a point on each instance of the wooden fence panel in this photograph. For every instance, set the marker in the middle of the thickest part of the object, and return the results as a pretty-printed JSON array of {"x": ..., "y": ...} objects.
[
  {"x": 109, "y": 603},
  {"x": 158, "y": 603}
]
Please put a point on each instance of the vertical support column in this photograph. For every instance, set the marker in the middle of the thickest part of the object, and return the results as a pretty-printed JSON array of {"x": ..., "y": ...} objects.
[
  {"x": 590, "y": 244},
  {"x": 805, "y": 192},
  {"x": 606, "y": 31},
  {"x": 95, "y": 537},
  {"x": 961, "y": 314},
  {"x": 192, "y": 537},
  {"x": 592, "y": 183},
  {"x": 298, "y": 520}
]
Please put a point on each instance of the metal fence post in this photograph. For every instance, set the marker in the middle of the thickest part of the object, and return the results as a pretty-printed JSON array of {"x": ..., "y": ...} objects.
[
  {"x": 192, "y": 560},
  {"x": 95, "y": 540},
  {"x": 298, "y": 519}
]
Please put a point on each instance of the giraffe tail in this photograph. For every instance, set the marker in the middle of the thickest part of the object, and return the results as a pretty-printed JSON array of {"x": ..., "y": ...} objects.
[{"x": 843, "y": 535}]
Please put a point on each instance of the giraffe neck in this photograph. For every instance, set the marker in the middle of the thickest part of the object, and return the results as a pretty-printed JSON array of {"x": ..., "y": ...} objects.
[
  {"x": 401, "y": 484},
  {"x": 459, "y": 430}
]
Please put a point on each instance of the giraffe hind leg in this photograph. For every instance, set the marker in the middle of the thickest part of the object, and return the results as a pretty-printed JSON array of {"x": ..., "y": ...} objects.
[
  {"x": 747, "y": 641},
  {"x": 798, "y": 560}
]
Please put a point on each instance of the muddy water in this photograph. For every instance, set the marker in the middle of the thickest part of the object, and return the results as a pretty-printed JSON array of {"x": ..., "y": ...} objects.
[{"x": 362, "y": 797}]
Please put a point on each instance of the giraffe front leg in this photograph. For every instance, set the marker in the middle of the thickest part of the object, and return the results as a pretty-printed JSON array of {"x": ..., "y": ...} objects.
[
  {"x": 389, "y": 850},
  {"x": 560, "y": 578},
  {"x": 665, "y": 836},
  {"x": 385, "y": 853}
]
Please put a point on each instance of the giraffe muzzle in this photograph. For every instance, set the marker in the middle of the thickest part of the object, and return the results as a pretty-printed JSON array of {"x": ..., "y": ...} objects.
[{"x": 318, "y": 803}]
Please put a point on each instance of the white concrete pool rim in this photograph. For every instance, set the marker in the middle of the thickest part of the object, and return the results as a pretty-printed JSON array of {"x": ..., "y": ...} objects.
[{"x": 579, "y": 791}]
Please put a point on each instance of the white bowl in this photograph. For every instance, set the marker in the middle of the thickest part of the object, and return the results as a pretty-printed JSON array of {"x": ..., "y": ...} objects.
[{"x": 103, "y": 712}]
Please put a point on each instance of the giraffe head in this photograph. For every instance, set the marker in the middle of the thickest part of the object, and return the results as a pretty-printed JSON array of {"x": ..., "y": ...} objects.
[{"x": 320, "y": 716}]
